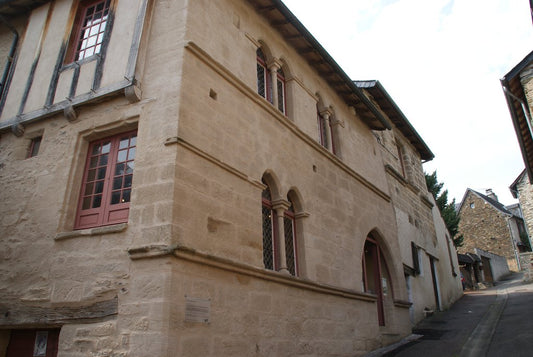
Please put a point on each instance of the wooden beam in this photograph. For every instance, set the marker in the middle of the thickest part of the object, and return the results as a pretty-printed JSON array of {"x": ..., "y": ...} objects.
[{"x": 20, "y": 314}]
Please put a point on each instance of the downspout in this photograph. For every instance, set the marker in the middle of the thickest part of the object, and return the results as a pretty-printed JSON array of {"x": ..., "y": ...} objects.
[{"x": 11, "y": 55}]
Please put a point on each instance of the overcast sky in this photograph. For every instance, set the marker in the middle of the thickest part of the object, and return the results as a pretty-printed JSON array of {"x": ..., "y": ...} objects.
[{"x": 441, "y": 61}]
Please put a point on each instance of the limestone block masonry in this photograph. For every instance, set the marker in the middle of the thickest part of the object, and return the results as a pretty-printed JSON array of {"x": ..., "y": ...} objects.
[{"x": 214, "y": 178}]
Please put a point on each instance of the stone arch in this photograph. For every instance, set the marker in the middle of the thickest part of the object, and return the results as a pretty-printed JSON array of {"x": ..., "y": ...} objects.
[{"x": 271, "y": 180}]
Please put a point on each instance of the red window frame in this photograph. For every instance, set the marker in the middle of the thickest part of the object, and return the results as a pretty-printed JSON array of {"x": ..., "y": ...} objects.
[
  {"x": 89, "y": 29},
  {"x": 263, "y": 77},
  {"x": 107, "y": 181}
]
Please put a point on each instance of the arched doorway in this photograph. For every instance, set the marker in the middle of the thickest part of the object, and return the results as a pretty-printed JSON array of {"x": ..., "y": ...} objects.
[{"x": 376, "y": 277}]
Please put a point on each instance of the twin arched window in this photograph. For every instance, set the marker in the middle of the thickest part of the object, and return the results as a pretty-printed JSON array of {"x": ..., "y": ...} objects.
[
  {"x": 279, "y": 245},
  {"x": 275, "y": 94}
]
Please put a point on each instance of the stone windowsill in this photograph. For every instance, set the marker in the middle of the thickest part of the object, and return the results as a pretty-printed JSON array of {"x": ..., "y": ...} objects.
[{"x": 116, "y": 228}]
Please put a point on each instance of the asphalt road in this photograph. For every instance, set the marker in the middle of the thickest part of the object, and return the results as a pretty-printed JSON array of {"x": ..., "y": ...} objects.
[{"x": 494, "y": 322}]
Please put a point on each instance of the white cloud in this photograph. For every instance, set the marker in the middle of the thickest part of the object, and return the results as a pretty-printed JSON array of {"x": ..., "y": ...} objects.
[{"x": 441, "y": 61}]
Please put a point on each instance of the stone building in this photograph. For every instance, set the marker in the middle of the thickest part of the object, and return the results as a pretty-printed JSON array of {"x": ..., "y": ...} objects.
[
  {"x": 517, "y": 86},
  {"x": 196, "y": 178},
  {"x": 488, "y": 225}
]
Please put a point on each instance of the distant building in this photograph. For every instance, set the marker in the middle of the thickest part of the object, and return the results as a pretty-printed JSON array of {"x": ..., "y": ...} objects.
[{"x": 488, "y": 225}]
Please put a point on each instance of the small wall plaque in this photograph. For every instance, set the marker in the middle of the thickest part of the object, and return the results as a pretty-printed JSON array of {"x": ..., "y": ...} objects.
[{"x": 197, "y": 309}]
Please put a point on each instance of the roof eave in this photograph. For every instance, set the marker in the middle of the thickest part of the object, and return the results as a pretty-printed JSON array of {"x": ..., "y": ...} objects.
[{"x": 377, "y": 121}]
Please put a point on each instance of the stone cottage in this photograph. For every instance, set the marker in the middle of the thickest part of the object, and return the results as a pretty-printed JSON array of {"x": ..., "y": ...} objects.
[
  {"x": 490, "y": 226},
  {"x": 201, "y": 178}
]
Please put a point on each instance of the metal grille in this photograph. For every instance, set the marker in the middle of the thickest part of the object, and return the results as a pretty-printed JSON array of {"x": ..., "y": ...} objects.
[
  {"x": 261, "y": 80},
  {"x": 288, "y": 223},
  {"x": 281, "y": 95},
  {"x": 322, "y": 131},
  {"x": 268, "y": 251}
]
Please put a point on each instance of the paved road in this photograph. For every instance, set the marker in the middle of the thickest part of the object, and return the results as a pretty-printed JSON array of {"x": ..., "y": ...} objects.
[{"x": 494, "y": 322}]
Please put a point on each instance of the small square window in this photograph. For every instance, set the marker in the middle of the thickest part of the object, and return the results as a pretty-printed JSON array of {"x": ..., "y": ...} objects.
[{"x": 35, "y": 144}]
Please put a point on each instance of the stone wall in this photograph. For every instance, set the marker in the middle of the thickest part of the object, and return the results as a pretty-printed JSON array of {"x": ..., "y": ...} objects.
[
  {"x": 483, "y": 226},
  {"x": 525, "y": 197}
]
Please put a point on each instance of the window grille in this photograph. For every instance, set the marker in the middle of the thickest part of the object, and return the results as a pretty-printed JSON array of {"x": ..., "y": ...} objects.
[
  {"x": 268, "y": 231},
  {"x": 91, "y": 29},
  {"x": 290, "y": 244}
]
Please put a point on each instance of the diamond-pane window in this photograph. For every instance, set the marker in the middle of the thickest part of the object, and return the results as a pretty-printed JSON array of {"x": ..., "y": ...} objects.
[
  {"x": 290, "y": 241},
  {"x": 268, "y": 231},
  {"x": 263, "y": 77},
  {"x": 281, "y": 91}
]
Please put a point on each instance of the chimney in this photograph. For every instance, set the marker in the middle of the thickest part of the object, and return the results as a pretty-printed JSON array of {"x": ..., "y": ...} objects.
[{"x": 491, "y": 194}]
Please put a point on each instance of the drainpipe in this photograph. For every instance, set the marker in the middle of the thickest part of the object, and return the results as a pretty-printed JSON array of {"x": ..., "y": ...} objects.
[{"x": 11, "y": 54}]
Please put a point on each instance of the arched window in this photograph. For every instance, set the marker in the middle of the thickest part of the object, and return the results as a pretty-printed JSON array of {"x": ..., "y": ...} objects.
[
  {"x": 282, "y": 97},
  {"x": 289, "y": 225},
  {"x": 326, "y": 136},
  {"x": 269, "y": 231},
  {"x": 322, "y": 127},
  {"x": 376, "y": 277},
  {"x": 264, "y": 87},
  {"x": 279, "y": 233}
]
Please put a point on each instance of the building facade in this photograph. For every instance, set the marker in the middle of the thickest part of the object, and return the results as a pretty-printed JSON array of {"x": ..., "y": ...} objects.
[
  {"x": 201, "y": 178},
  {"x": 488, "y": 225}
]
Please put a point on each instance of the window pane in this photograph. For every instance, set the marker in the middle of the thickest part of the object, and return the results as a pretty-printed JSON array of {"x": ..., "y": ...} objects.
[
  {"x": 115, "y": 197},
  {"x": 99, "y": 187},
  {"x": 268, "y": 251},
  {"x": 89, "y": 52},
  {"x": 86, "y": 203},
  {"x": 106, "y": 147},
  {"x": 97, "y": 201},
  {"x": 117, "y": 183},
  {"x": 91, "y": 175},
  {"x": 129, "y": 167},
  {"x": 94, "y": 162},
  {"x": 289, "y": 244},
  {"x": 96, "y": 150},
  {"x": 127, "y": 180},
  {"x": 281, "y": 96},
  {"x": 124, "y": 143},
  {"x": 119, "y": 170},
  {"x": 131, "y": 154},
  {"x": 133, "y": 141},
  {"x": 103, "y": 160},
  {"x": 101, "y": 173},
  {"x": 126, "y": 195},
  {"x": 89, "y": 189},
  {"x": 261, "y": 80},
  {"x": 122, "y": 154}
]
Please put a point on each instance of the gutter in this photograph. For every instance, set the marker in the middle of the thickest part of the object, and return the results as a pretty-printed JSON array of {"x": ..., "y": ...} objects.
[
  {"x": 323, "y": 53},
  {"x": 509, "y": 96},
  {"x": 10, "y": 56}
]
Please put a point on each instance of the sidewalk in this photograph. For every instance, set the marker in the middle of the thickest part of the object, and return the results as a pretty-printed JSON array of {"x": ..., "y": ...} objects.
[{"x": 494, "y": 322}]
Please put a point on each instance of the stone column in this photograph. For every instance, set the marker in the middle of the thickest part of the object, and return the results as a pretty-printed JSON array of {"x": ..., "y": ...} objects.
[
  {"x": 273, "y": 68},
  {"x": 326, "y": 114},
  {"x": 280, "y": 206}
]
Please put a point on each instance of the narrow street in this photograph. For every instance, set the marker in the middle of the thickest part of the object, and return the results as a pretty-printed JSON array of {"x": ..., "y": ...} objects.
[{"x": 494, "y": 322}]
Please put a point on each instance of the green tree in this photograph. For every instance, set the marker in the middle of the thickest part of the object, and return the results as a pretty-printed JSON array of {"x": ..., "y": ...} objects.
[{"x": 447, "y": 210}]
